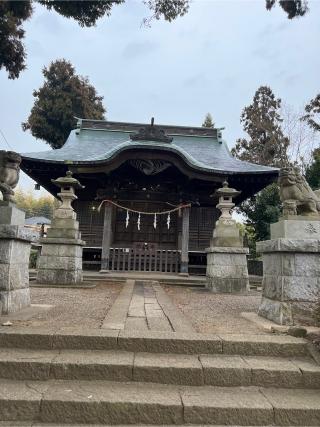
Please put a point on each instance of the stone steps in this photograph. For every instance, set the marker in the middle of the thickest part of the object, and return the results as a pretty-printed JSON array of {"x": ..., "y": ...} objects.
[
  {"x": 112, "y": 377},
  {"x": 100, "y": 402},
  {"x": 37, "y": 424},
  {"x": 177, "y": 369},
  {"x": 154, "y": 342}
]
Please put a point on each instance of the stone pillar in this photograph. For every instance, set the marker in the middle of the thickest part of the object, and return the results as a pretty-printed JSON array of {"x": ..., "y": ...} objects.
[
  {"x": 60, "y": 262},
  {"x": 227, "y": 270},
  {"x": 291, "y": 258},
  {"x": 291, "y": 272},
  {"x": 184, "y": 269},
  {"x": 106, "y": 238},
  {"x": 14, "y": 240},
  {"x": 14, "y": 259}
]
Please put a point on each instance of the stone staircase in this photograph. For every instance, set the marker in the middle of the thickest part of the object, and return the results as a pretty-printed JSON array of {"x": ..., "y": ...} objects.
[{"x": 111, "y": 377}]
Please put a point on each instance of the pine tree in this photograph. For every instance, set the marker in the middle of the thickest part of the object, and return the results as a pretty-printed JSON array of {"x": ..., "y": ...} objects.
[
  {"x": 313, "y": 113},
  {"x": 208, "y": 121},
  {"x": 63, "y": 96},
  {"x": 261, "y": 120}
]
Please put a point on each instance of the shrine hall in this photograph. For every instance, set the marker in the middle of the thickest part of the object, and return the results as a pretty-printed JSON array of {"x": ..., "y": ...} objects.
[{"x": 148, "y": 202}]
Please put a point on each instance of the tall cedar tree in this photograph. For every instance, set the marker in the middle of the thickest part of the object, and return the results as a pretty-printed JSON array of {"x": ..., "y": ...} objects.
[
  {"x": 261, "y": 120},
  {"x": 267, "y": 146},
  {"x": 208, "y": 121},
  {"x": 12, "y": 53},
  {"x": 63, "y": 95}
]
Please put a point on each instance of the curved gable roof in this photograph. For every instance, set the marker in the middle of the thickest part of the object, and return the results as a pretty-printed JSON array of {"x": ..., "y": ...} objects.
[{"x": 207, "y": 153}]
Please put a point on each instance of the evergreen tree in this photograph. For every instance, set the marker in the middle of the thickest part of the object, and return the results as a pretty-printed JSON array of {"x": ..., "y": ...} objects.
[
  {"x": 266, "y": 145},
  {"x": 293, "y": 8},
  {"x": 313, "y": 113},
  {"x": 260, "y": 211},
  {"x": 63, "y": 95},
  {"x": 262, "y": 122},
  {"x": 313, "y": 171},
  {"x": 208, "y": 121},
  {"x": 12, "y": 53}
]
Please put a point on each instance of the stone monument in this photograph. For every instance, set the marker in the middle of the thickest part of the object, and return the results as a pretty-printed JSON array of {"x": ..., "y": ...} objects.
[
  {"x": 14, "y": 240},
  {"x": 60, "y": 262},
  {"x": 227, "y": 270},
  {"x": 291, "y": 259}
]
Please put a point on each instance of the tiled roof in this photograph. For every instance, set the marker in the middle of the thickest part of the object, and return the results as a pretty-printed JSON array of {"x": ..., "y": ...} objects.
[{"x": 102, "y": 142}]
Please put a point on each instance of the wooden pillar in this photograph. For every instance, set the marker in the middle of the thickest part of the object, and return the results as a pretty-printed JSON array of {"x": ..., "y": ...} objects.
[
  {"x": 184, "y": 269},
  {"x": 106, "y": 238}
]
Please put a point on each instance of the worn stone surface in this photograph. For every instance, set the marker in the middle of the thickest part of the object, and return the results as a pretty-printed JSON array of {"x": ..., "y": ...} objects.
[
  {"x": 19, "y": 364},
  {"x": 168, "y": 342},
  {"x": 225, "y": 370},
  {"x": 111, "y": 403},
  {"x": 168, "y": 369},
  {"x": 310, "y": 372},
  {"x": 14, "y": 300},
  {"x": 226, "y": 406},
  {"x": 14, "y": 260},
  {"x": 291, "y": 281},
  {"x": 267, "y": 371},
  {"x": 227, "y": 271},
  {"x": 18, "y": 401},
  {"x": 10, "y": 214},
  {"x": 59, "y": 276},
  {"x": 297, "y": 407},
  {"x": 295, "y": 229},
  {"x": 263, "y": 345},
  {"x": 93, "y": 365},
  {"x": 289, "y": 245}
]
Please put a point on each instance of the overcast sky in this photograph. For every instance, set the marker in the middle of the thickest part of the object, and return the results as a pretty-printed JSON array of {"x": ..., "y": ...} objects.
[{"x": 211, "y": 60}]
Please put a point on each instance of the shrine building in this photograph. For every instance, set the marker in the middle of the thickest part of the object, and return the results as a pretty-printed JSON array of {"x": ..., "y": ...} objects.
[{"x": 155, "y": 188}]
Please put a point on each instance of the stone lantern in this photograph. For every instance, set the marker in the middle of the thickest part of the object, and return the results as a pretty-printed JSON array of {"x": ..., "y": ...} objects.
[
  {"x": 60, "y": 262},
  {"x": 227, "y": 270},
  {"x": 226, "y": 232},
  {"x": 67, "y": 185}
]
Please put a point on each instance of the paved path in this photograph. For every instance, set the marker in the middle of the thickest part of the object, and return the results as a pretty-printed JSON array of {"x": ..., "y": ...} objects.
[{"x": 143, "y": 305}]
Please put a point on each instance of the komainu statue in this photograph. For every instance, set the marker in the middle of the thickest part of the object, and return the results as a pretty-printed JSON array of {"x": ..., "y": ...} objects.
[
  {"x": 9, "y": 173},
  {"x": 296, "y": 195}
]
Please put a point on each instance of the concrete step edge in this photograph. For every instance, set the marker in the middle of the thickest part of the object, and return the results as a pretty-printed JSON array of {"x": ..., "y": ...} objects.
[
  {"x": 153, "y": 342},
  {"x": 177, "y": 369},
  {"x": 103, "y": 402}
]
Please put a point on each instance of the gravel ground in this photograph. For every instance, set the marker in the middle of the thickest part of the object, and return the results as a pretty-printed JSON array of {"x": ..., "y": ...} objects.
[
  {"x": 216, "y": 313},
  {"x": 73, "y": 307}
]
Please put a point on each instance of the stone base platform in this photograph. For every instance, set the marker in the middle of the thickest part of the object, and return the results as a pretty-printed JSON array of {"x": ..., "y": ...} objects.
[
  {"x": 227, "y": 270},
  {"x": 291, "y": 281}
]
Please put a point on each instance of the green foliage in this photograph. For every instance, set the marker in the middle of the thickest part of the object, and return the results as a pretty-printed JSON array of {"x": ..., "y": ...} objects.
[
  {"x": 62, "y": 96},
  {"x": 12, "y": 53},
  {"x": 208, "y": 121},
  {"x": 261, "y": 210},
  {"x": 262, "y": 122},
  {"x": 313, "y": 171},
  {"x": 13, "y": 14},
  {"x": 35, "y": 206},
  {"x": 293, "y": 8},
  {"x": 86, "y": 13},
  {"x": 313, "y": 113},
  {"x": 167, "y": 9}
]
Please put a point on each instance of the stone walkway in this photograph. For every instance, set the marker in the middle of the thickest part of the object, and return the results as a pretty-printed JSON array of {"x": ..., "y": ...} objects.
[{"x": 143, "y": 305}]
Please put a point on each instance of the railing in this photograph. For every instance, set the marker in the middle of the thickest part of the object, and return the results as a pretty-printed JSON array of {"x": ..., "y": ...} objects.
[{"x": 132, "y": 259}]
